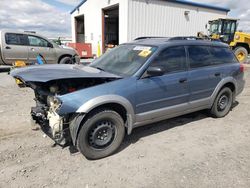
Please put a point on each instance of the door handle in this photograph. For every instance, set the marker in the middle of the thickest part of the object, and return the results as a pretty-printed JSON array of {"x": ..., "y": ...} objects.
[
  {"x": 7, "y": 47},
  {"x": 217, "y": 74},
  {"x": 182, "y": 80}
]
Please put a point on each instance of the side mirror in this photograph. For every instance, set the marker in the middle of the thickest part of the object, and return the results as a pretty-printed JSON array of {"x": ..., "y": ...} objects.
[
  {"x": 155, "y": 71},
  {"x": 50, "y": 45}
]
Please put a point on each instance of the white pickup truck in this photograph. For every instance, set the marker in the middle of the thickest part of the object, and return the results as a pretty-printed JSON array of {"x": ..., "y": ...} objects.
[{"x": 26, "y": 46}]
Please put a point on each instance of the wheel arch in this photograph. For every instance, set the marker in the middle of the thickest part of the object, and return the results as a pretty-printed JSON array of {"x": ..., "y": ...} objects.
[
  {"x": 242, "y": 44},
  {"x": 226, "y": 82},
  {"x": 117, "y": 103},
  {"x": 230, "y": 85},
  {"x": 63, "y": 56}
]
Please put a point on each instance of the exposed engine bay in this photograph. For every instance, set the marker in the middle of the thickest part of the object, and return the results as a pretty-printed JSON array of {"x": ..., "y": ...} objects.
[
  {"x": 45, "y": 112},
  {"x": 50, "y": 82},
  {"x": 45, "y": 92}
]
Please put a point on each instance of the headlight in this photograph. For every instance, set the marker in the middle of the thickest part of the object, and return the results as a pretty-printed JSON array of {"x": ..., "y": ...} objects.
[
  {"x": 54, "y": 102},
  {"x": 236, "y": 37},
  {"x": 57, "y": 103},
  {"x": 75, "y": 52},
  {"x": 18, "y": 81},
  {"x": 54, "y": 89}
]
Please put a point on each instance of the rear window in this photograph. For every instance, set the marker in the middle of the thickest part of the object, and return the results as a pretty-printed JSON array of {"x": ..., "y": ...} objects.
[
  {"x": 221, "y": 55},
  {"x": 199, "y": 56},
  {"x": 16, "y": 39}
]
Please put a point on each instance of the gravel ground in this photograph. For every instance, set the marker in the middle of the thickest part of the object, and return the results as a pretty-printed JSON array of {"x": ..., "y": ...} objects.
[{"x": 189, "y": 151}]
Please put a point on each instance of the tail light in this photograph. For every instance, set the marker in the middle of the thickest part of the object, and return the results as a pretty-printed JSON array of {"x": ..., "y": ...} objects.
[{"x": 242, "y": 68}]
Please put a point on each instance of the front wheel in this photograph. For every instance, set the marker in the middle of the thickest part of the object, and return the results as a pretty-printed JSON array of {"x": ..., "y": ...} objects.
[
  {"x": 223, "y": 103},
  {"x": 66, "y": 60},
  {"x": 101, "y": 134}
]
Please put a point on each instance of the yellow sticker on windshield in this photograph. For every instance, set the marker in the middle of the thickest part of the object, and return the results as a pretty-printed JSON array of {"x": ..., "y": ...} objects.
[{"x": 144, "y": 53}]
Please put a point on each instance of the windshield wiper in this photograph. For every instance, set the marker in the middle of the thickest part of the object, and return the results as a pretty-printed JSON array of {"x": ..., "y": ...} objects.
[{"x": 99, "y": 68}]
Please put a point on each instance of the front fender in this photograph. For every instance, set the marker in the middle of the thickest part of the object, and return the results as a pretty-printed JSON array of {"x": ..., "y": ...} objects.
[
  {"x": 85, "y": 108},
  {"x": 106, "y": 99}
]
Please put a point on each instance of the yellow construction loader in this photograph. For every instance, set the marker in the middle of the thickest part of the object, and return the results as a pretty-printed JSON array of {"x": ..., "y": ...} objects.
[{"x": 224, "y": 29}]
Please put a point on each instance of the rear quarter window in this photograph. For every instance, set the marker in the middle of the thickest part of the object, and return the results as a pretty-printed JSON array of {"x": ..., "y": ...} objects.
[
  {"x": 199, "y": 56},
  {"x": 221, "y": 55},
  {"x": 16, "y": 39}
]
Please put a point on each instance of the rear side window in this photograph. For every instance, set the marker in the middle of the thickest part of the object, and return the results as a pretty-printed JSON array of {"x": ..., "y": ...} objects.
[
  {"x": 221, "y": 55},
  {"x": 172, "y": 59},
  {"x": 16, "y": 39},
  {"x": 199, "y": 56}
]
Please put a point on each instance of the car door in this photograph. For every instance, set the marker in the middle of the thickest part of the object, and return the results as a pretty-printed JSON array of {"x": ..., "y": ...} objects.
[
  {"x": 40, "y": 46},
  {"x": 14, "y": 48},
  {"x": 165, "y": 94},
  {"x": 203, "y": 76}
]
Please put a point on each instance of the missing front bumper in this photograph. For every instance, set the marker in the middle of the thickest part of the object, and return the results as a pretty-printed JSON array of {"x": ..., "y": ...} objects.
[{"x": 39, "y": 117}]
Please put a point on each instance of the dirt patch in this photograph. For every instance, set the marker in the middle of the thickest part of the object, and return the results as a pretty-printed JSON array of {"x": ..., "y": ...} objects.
[{"x": 190, "y": 151}]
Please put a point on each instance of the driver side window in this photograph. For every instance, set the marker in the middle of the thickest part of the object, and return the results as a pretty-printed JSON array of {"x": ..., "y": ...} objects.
[
  {"x": 37, "y": 41},
  {"x": 172, "y": 59}
]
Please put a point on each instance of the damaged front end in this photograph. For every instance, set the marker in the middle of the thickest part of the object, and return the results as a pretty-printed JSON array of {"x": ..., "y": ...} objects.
[
  {"x": 49, "y": 89},
  {"x": 51, "y": 123}
]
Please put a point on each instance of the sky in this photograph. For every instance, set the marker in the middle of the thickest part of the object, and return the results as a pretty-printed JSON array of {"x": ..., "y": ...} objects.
[
  {"x": 52, "y": 17},
  {"x": 240, "y": 9},
  {"x": 47, "y": 17}
]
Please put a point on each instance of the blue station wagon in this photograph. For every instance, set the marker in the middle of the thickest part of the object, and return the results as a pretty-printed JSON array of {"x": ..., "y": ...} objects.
[{"x": 137, "y": 83}]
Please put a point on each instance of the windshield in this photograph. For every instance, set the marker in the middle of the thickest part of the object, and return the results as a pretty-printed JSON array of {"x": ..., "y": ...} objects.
[
  {"x": 229, "y": 27},
  {"x": 215, "y": 27},
  {"x": 124, "y": 60}
]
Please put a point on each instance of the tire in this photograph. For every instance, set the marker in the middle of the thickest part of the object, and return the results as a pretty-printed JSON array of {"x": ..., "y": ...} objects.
[
  {"x": 222, "y": 103},
  {"x": 101, "y": 134},
  {"x": 66, "y": 60},
  {"x": 241, "y": 54}
]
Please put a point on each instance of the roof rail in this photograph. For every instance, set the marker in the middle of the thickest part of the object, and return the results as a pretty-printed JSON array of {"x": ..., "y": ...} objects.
[
  {"x": 180, "y": 38},
  {"x": 30, "y": 32},
  {"x": 140, "y": 38},
  {"x": 193, "y": 38},
  {"x": 185, "y": 38}
]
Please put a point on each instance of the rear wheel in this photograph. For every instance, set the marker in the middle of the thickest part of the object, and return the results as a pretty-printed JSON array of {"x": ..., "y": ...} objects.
[
  {"x": 241, "y": 54},
  {"x": 101, "y": 135},
  {"x": 223, "y": 103}
]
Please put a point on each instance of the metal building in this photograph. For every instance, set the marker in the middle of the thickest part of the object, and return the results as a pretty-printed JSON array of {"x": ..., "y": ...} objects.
[{"x": 105, "y": 23}]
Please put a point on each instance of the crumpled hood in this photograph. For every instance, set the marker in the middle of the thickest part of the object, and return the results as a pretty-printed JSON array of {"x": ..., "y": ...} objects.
[{"x": 45, "y": 73}]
